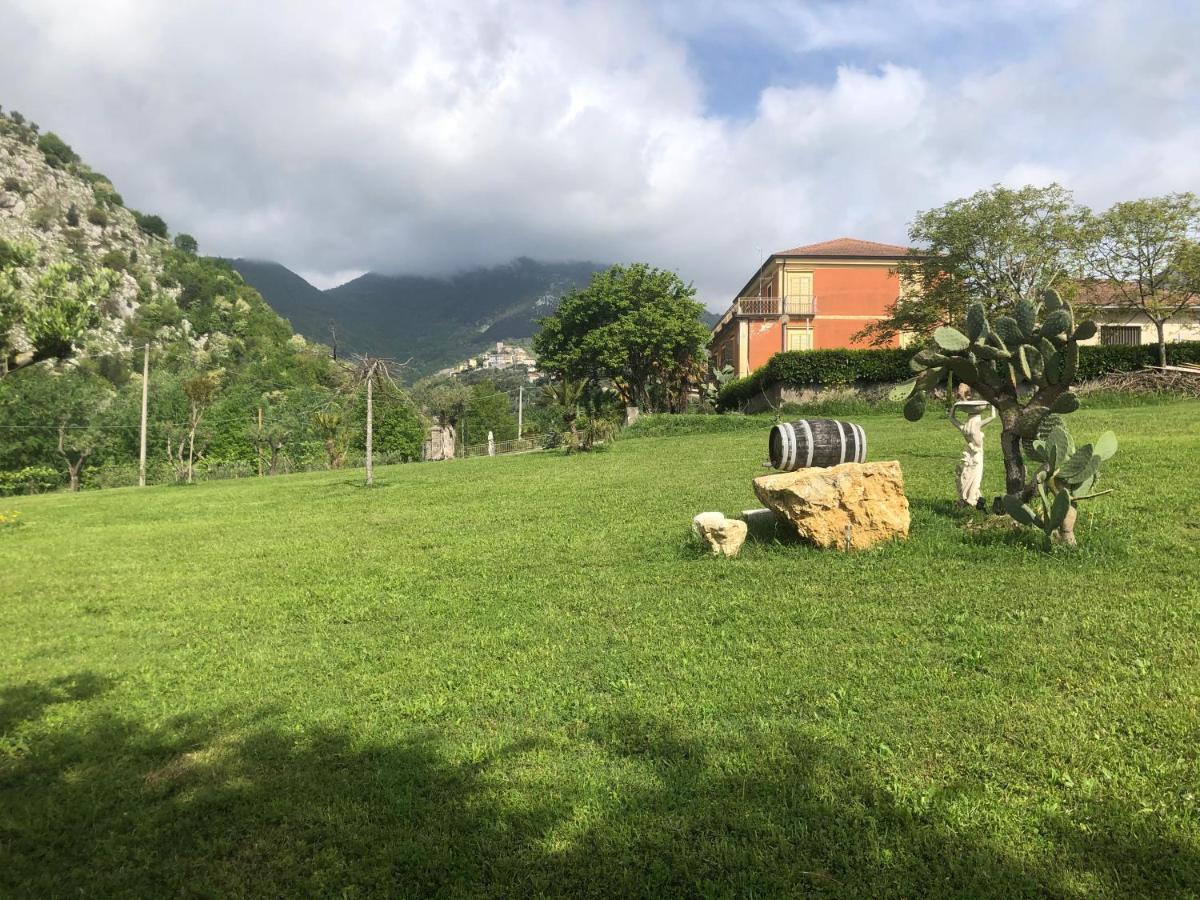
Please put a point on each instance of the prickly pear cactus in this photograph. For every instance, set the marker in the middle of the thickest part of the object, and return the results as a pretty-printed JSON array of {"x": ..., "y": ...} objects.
[
  {"x": 1024, "y": 364},
  {"x": 1065, "y": 476}
]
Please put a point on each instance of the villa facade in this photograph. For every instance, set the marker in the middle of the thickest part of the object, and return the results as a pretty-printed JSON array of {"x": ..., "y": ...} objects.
[{"x": 814, "y": 297}]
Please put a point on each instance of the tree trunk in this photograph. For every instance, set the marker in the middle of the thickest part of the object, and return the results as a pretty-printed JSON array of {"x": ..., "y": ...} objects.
[
  {"x": 73, "y": 473},
  {"x": 370, "y": 428},
  {"x": 1010, "y": 445},
  {"x": 1066, "y": 533},
  {"x": 1160, "y": 325},
  {"x": 191, "y": 453}
]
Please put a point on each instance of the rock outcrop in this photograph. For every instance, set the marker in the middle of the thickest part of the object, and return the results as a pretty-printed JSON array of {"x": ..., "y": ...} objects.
[
  {"x": 848, "y": 507},
  {"x": 722, "y": 535}
]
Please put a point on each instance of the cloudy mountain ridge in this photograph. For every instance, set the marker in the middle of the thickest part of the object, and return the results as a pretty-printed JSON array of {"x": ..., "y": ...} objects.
[{"x": 432, "y": 321}]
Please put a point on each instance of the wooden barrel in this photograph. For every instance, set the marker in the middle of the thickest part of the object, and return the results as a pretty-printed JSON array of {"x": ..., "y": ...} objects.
[{"x": 816, "y": 442}]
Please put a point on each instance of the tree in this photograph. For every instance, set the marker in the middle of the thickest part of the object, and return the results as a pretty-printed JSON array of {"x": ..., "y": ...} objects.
[
  {"x": 637, "y": 326},
  {"x": 43, "y": 319},
  {"x": 185, "y": 243},
  {"x": 372, "y": 371},
  {"x": 329, "y": 425},
  {"x": 151, "y": 224},
  {"x": 488, "y": 410},
  {"x": 200, "y": 391},
  {"x": 1146, "y": 255},
  {"x": 82, "y": 401},
  {"x": 996, "y": 247},
  {"x": 566, "y": 395}
]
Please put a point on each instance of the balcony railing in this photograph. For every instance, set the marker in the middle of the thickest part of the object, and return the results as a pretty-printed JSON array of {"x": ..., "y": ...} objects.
[{"x": 775, "y": 306}]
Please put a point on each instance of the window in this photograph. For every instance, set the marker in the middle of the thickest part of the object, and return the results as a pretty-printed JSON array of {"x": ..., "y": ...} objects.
[
  {"x": 799, "y": 339},
  {"x": 1120, "y": 335}
]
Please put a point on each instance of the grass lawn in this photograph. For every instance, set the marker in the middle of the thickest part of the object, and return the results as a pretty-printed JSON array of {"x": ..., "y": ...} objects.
[{"x": 518, "y": 676}]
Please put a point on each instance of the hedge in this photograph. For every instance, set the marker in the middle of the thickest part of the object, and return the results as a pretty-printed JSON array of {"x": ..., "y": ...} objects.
[
  {"x": 829, "y": 368},
  {"x": 30, "y": 480},
  {"x": 826, "y": 368}
]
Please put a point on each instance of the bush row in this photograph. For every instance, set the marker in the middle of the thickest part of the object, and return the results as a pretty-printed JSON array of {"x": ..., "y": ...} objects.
[
  {"x": 827, "y": 368},
  {"x": 30, "y": 480}
]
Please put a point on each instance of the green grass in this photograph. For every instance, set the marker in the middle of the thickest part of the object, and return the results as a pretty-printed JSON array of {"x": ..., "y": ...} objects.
[{"x": 519, "y": 676}]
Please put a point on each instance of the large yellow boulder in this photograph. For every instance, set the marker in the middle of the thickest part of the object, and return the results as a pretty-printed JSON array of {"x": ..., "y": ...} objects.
[{"x": 848, "y": 507}]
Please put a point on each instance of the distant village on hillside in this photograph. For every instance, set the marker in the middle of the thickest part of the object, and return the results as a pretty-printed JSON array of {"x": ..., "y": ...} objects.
[{"x": 502, "y": 356}]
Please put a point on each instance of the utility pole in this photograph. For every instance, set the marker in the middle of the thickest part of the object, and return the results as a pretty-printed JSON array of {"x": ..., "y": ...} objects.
[
  {"x": 520, "y": 409},
  {"x": 370, "y": 423},
  {"x": 258, "y": 446},
  {"x": 145, "y": 397}
]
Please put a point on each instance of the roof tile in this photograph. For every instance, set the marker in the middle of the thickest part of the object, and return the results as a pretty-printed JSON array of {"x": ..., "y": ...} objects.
[{"x": 847, "y": 246}]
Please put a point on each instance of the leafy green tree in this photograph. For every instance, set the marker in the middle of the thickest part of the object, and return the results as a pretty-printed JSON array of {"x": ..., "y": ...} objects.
[
  {"x": 488, "y": 410},
  {"x": 1146, "y": 254},
  {"x": 636, "y": 326},
  {"x": 151, "y": 224},
  {"x": 397, "y": 426},
  {"x": 996, "y": 247},
  {"x": 186, "y": 244},
  {"x": 81, "y": 403},
  {"x": 43, "y": 319}
]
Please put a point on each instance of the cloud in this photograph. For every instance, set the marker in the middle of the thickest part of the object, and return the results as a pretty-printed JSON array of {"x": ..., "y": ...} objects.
[{"x": 426, "y": 137}]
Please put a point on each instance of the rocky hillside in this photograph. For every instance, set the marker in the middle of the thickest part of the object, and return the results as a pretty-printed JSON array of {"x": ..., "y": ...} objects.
[
  {"x": 53, "y": 203},
  {"x": 58, "y": 213}
]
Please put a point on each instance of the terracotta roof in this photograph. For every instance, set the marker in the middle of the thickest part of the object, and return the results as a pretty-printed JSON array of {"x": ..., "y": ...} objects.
[{"x": 848, "y": 247}]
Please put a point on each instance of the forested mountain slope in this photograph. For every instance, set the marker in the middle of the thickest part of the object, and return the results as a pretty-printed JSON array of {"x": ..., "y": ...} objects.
[{"x": 433, "y": 321}]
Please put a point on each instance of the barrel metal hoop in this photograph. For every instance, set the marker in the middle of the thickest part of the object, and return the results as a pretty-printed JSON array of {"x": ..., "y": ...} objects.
[
  {"x": 860, "y": 441},
  {"x": 841, "y": 440},
  {"x": 808, "y": 434}
]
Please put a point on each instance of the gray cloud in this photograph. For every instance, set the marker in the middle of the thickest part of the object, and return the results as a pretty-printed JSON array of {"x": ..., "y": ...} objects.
[{"x": 427, "y": 136}]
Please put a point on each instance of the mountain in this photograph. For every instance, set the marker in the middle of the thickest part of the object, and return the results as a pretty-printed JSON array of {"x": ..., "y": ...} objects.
[{"x": 433, "y": 321}]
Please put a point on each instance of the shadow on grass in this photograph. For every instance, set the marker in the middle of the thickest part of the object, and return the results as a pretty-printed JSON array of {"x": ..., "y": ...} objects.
[{"x": 116, "y": 808}]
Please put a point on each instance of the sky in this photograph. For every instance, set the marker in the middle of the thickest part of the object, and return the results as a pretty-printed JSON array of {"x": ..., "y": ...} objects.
[{"x": 428, "y": 137}]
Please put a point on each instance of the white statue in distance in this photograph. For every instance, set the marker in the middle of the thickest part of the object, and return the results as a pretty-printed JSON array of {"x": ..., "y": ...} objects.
[{"x": 970, "y": 470}]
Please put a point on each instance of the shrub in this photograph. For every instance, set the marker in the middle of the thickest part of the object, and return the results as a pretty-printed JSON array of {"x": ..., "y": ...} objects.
[
  {"x": 106, "y": 196},
  {"x": 30, "y": 480},
  {"x": 57, "y": 152},
  {"x": 186, "y": 243},
  {"x": 801, "y": 368},
  {"x": 73, "y": 215},
  {"x": 151, "y": 224},
  {"x": 1097, "y": 361},
  {"x": 12, "y": 183},
  {"x": 97, "y": 216},
  {"x": 115, "y": 260},
  {"x": 819, "y": 367},
  {"x": 43, "y": 216}
]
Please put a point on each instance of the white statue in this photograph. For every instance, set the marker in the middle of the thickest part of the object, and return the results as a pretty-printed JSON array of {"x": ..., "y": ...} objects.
[
  {"x": 491, "y": 444},
  {"x": 970, "y": 470}
]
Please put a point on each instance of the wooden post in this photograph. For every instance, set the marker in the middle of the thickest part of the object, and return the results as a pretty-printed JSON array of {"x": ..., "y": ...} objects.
[
  {"x": 258, "y": 444},
  {"x": 520, "y": 410},
  {"x": 370, "y": 423},
  {"x": 145, "y": 398}
]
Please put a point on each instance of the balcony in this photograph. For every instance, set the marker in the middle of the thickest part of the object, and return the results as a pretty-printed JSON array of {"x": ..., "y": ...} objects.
[{"x": 766, "y": 307}]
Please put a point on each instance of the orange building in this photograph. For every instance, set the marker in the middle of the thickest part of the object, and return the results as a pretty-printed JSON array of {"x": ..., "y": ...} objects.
[{"x": 808, "y": 298}]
